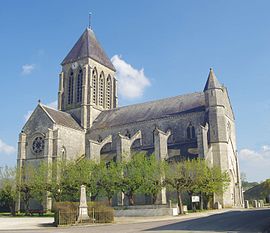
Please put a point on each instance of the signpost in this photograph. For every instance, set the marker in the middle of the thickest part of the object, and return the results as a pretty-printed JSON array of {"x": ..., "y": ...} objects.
[{"x": 195, "y": 199}]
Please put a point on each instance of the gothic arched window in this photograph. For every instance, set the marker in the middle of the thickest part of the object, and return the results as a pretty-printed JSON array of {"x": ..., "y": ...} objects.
[
  {"x": 108, "y": 92},
  {"x": 70, "y": 87},
  {"x": 79, "y": 86},
  {"x": 191, "y": 131},
  {"x": 101, "y": 89},
  {"x": 94, "y": 84}
]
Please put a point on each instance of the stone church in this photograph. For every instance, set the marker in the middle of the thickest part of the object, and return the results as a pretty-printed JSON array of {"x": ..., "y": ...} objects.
[{"x": 89, "y": 122}]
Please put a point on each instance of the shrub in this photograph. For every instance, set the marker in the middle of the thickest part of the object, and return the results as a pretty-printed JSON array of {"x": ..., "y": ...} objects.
[{"x": 66, "y": 213}]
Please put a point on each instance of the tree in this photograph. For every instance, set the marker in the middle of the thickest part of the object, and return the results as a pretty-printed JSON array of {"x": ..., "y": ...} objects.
[
  {"x": 177, "y": 178},
  {"x": 153, "y": 173},
  {"x": 195, "y": 169},
  {"x": 132, "y": 178},
  {"x": 195, "y": 177},
  {"x": 8, "y": 190},
  {"x": 109, "y": 181},
  {"x": 25, "y": 185},
  {"x": 266, "y": 187},
  {"x": 213, "y": 181},
  {"x": 71, "y": 175}
]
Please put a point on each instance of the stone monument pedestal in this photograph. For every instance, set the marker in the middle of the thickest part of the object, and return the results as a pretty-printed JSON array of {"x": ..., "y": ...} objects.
[{"x": 83, "y": 208}]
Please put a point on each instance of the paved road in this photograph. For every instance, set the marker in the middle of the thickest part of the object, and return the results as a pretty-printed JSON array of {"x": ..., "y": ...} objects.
[{"x": 232, "y": 221}]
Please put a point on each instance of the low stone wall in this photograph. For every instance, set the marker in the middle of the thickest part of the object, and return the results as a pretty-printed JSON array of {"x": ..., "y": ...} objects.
[{"x": 144, "y": 211}]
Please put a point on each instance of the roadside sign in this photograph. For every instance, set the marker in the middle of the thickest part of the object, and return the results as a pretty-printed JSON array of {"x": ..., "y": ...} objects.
[{"x": 195, "y": 199}]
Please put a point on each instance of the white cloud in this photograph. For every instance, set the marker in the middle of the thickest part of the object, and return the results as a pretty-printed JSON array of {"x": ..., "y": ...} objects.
[
  {"x": 255, "y": 163},
  {"x": 131, "y": 82},
  {"x": 29, "y": 113},
  {"x": 27, "y": 69},
  {"x": 6, "y": 149}
]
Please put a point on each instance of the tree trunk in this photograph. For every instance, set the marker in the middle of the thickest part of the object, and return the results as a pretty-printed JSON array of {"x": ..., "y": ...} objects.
[
  {"x": 94, "y": 197},
  {"x": 180, "y": 204},
  {"x": 191, "y": 203},
  {"x": 110, "y": 200},
  {"x": 201, "y": 201},
  {"x": 27, "y": 207},
  {"x": 154, "y": 198},
  {"x": 131, "y": 199},
  {"x": 12, "y": 208}
]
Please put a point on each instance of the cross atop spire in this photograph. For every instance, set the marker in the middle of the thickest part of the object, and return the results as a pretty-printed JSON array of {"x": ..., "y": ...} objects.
[
  {"x": 212, "y": 81},
  {"x": 90, "y": 20}
]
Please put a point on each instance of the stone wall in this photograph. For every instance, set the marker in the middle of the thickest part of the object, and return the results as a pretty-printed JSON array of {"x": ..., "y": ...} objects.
[{"x": 176, "y": 124}]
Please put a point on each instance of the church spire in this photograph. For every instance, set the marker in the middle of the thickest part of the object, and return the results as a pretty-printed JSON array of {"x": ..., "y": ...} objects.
[
  {"x": 88, "y": 47},
  {"x": 212, "y": 81}
]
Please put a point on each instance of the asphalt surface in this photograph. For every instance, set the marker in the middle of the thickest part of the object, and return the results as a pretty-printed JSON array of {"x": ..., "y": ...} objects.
[{"x": 232, "y": 221}]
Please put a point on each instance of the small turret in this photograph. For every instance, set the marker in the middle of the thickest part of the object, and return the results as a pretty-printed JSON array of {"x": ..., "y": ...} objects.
[
  {"x": 214, "y": 99},
  {"x": 213, "y": 90},
  {"x": 212, "y": 81}
]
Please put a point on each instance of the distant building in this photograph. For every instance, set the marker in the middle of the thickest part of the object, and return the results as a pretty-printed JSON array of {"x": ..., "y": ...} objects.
[{"x": 89, "y": 122}]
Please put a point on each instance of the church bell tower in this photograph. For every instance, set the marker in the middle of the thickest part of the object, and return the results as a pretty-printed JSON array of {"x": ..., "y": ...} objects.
[{"x": 87, "y": 83}]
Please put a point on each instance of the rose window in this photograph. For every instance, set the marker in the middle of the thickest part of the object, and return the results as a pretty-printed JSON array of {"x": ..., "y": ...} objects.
[{"x": 38, "y": 145}]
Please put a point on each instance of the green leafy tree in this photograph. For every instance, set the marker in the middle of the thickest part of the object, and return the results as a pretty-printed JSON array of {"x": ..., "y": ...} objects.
[
  {"x": 177, "y": 178},
  {"x": 195, "y": 177},
  {"x": 195, "y": 169},
  {"x": 110, "y": 178},
  {"x": 72, "y": 174},
  {"x": 266, "y": 187},
  {"x": 132, "y": 178},
  {"x": 213, "y": 180},
  {"x": 8, "y": 189},
  {"x": 153, "y": 174},
  {"x": 26, "y": 184}
]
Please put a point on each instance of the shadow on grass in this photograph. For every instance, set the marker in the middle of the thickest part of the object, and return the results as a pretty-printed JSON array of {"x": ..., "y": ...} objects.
[{"x": 237, "y": 221}]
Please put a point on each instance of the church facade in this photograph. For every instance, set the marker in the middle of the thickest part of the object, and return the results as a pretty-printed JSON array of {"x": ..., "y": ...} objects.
[{"x": 89, "y": 122}]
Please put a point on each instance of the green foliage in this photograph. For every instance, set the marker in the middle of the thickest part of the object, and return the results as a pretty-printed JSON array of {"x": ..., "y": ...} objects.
[
  {"x": 266, "y": 186},
  {"x": 67, "y": 212},
  {"x": 8, "y": 190},
  {"x": 195, "y": 176},
  {"x": 153, "y": 174},
  {"x": 141, "y": 174},
  {"x": 132, "y": 178},
  {"x": 178, "y": 179},
  {"x": 25, "y": 185},
  {"x": 260, "y": 191},
  {"x": 109, "y": 180}
]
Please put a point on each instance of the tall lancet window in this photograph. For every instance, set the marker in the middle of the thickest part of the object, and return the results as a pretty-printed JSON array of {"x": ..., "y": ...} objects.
[
  {"x": 94, "y": 84},
  {"x": 70, "y": 87},
  {"x": 79, "y": 86},
  {"x": 101, "y": 89},
  {"x": 191, "y": 131},
  {"x": 108, "y": 92}
]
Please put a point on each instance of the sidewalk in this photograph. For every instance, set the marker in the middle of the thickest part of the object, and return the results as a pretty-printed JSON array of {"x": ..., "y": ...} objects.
[
  {"x": 25, "y": 223},
  {"x": 32, "y": 223},
  {"x": 121, "y": 220}
]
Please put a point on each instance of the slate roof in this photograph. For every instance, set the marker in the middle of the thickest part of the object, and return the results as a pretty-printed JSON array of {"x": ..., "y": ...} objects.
[
  {"x": 88, "y": 46},
  {"x": 150, "y": 110},
  {"x": 212, "y": 81},
  {"x": 62, "y": 118}
]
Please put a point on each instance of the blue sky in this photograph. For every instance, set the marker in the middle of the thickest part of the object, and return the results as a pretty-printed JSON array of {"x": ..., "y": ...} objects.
[{"x": 169, "y": 45}]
